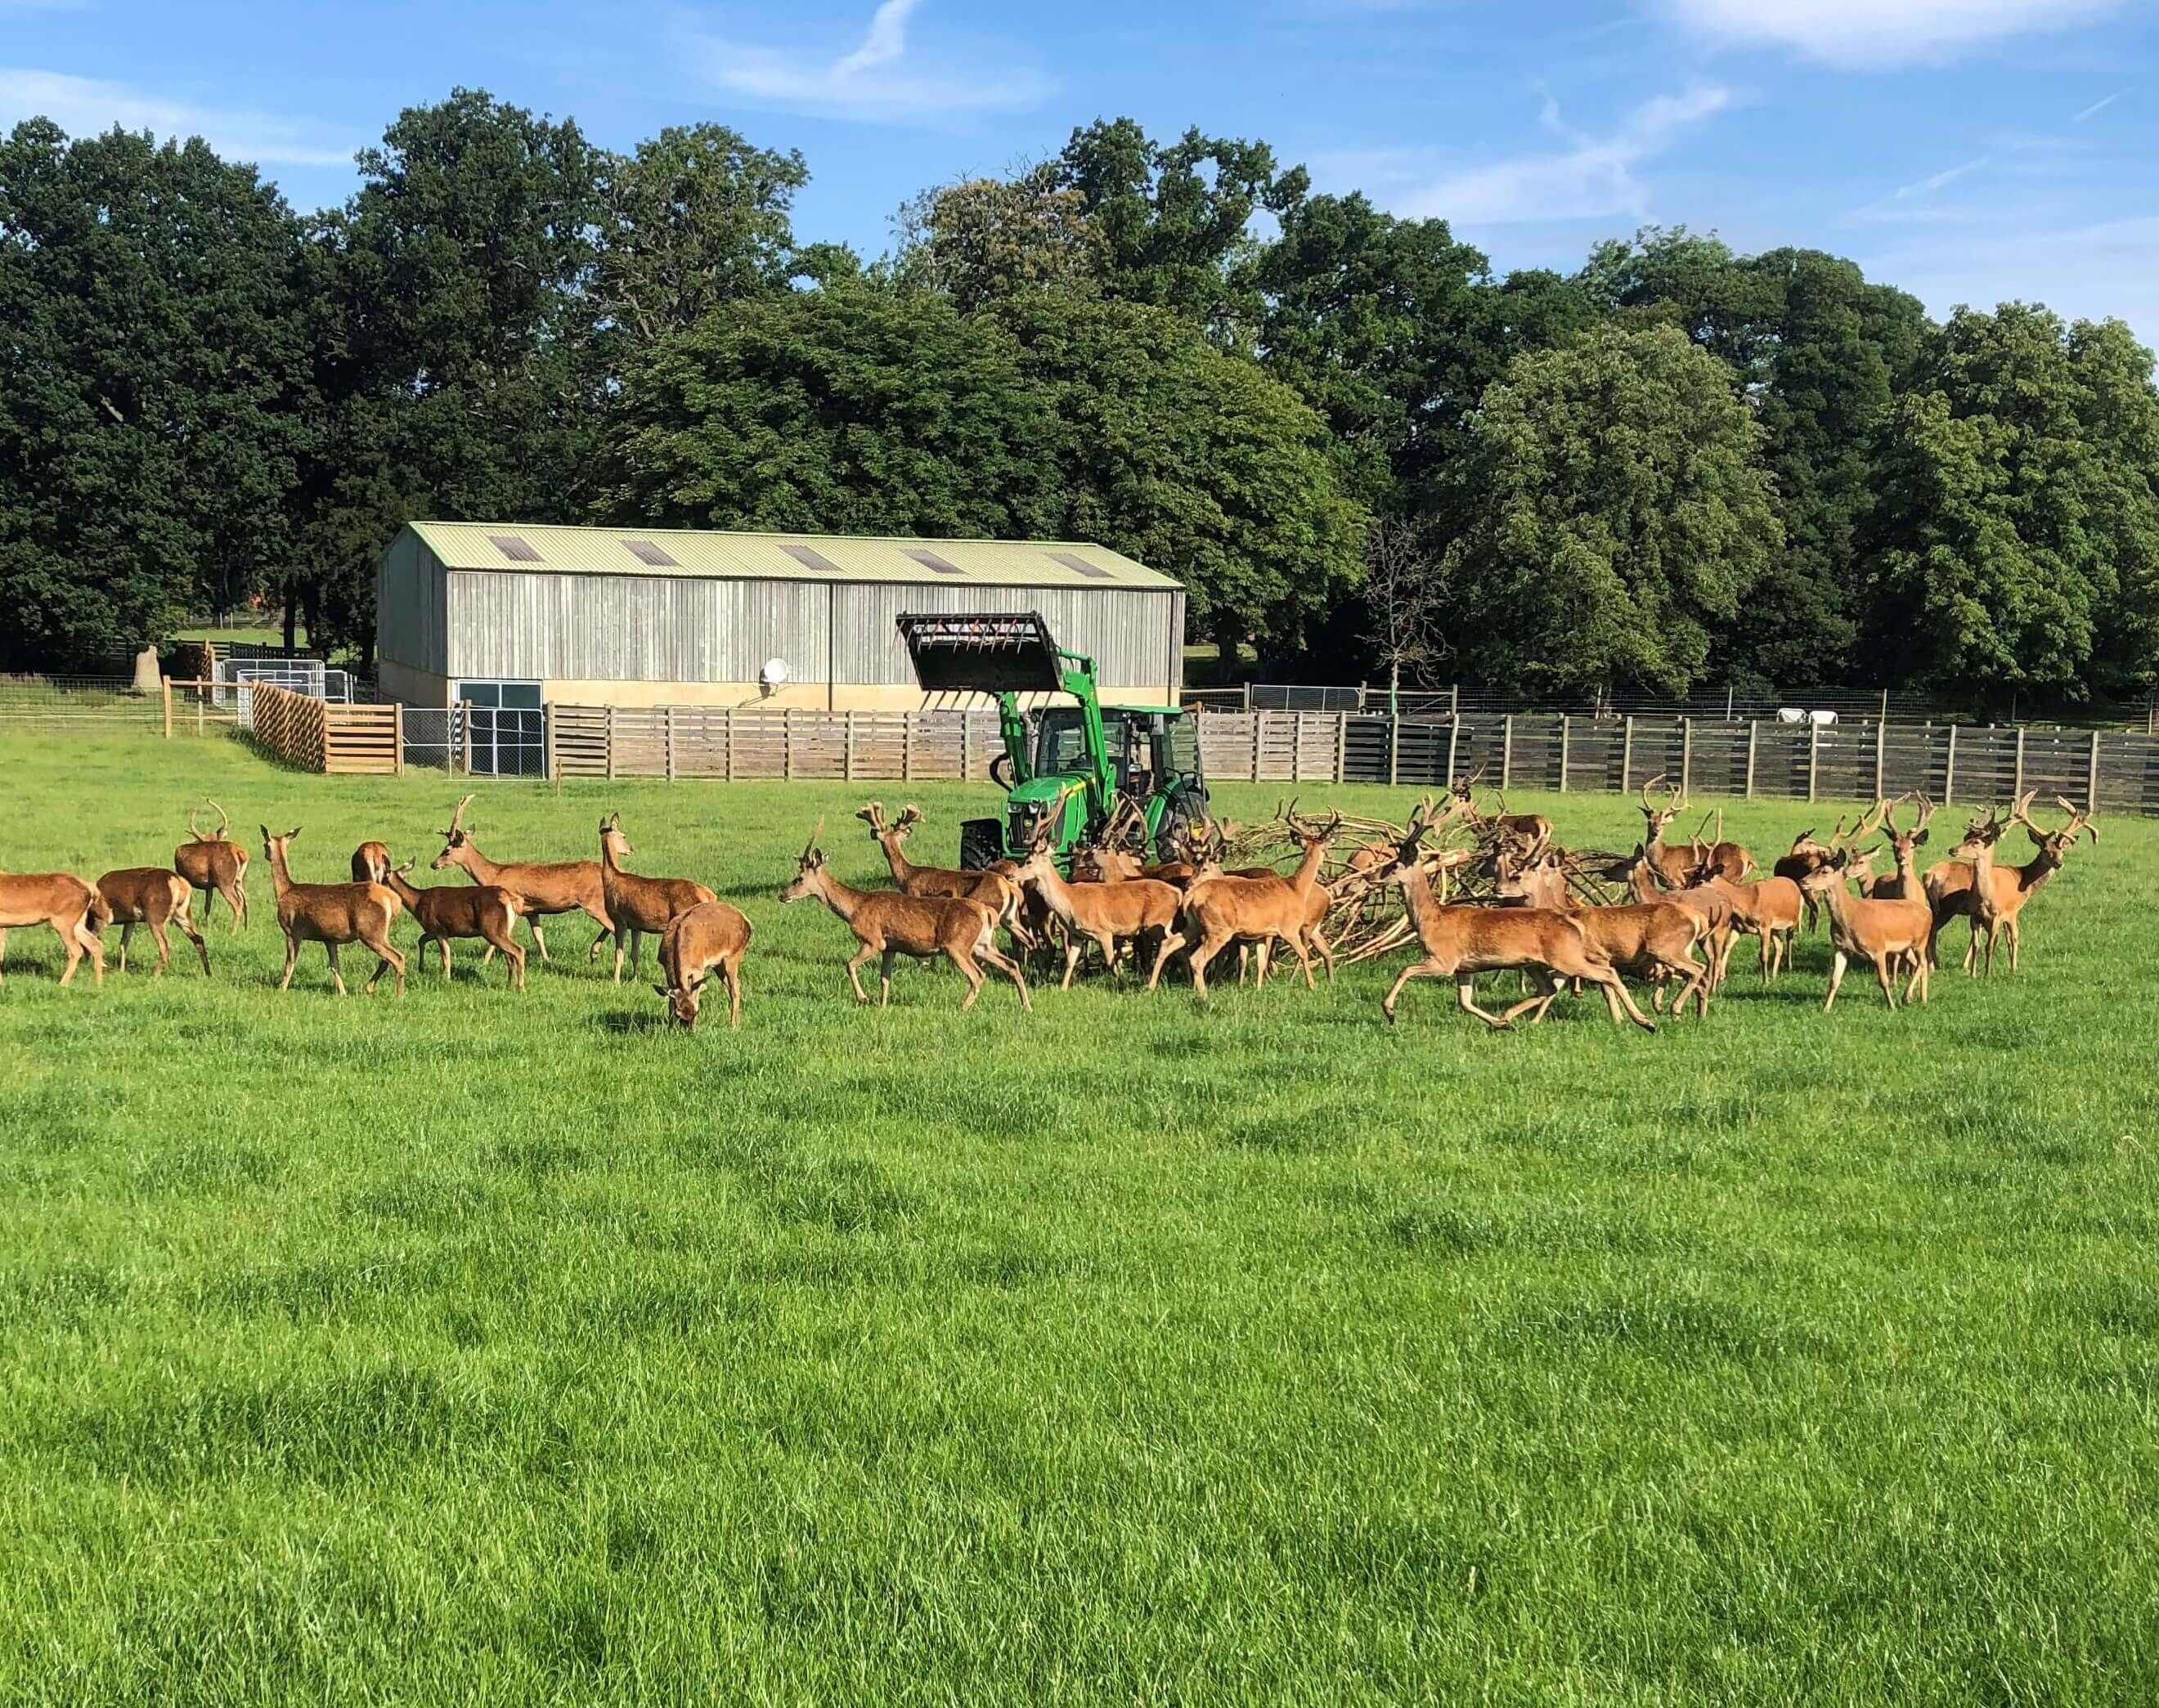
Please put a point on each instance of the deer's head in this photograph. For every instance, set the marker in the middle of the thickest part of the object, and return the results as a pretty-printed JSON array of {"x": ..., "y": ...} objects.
[
  {"x": 809, "y": 879},
  {"x": 455, "y": 841},
  {"x": 684, "y": 1001},
  {"x": 613, "y": 842},
  {"x": 1655, "y": 814}
]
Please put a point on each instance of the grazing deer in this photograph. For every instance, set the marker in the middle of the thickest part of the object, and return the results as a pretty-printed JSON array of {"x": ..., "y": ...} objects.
[
  {"x": 711, "y": 935},
  {"x": 1992, "y": 897},
  {"x": 1654, "y": 941},
  {"x": 76, "y": 911},
  {"x": 1231, "y": 908},
  {"x": 332, "y": 914},
  {"x": 1888, "y": 933},
  {"x": 1461, "y": 942},
  {"x": 1105, "y": 914},
  {"x": 542, "y": 887},
  {"x": 152, "y": 896},
  {"x": 216, "y": 866},
  {"x": 891, "y": 922},
  {"x": 639, "y": 904},
  {"x": 486, "y": 911},
  {"x": 370, "y": 863},
  {"x": 995, "y": 889}
]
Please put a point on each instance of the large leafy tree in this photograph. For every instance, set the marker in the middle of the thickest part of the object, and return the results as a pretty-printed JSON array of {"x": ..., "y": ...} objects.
[
  {"x": 985, "y": 238},
  {"x": 2017, "y": 534},
  {"x": 154, "y": 388},
  {"x": 1611, "y": 515}
]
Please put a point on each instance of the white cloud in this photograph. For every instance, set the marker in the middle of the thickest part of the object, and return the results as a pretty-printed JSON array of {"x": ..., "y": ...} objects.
[
  {"x": 2098, "y": 106},
  {"x": 874, "y": 81},
  {"x": 85, "y": 106},
  {"x": 1593, "y": 178},
  {"x": 1875, "y": 34}
]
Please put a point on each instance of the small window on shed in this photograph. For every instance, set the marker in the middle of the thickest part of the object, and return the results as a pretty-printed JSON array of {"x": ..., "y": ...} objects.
[
  {"x": 1073, "y": 561},
  {"x": 930, "y": 560},
  {"x": 645, "y": 552},
  {"x": 809, "y": 557},
  {"x": 515, "y": 548}
]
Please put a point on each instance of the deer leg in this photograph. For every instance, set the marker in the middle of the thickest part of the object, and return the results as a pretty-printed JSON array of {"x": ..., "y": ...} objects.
[
  {"x": 1882, "y": 974},
  {"x": 1244, "y": 960},
  {"x": 539, "y": 938},
  {"x": 959, "y": 956},
  {"x": 1918, "y": 982},
  {"x": 1838, "y": 961},
  {"x": 387, "y": 956},
  {"x": 620, "y": 933},
  {"x": 1296, "y": 941},
  {"x": 1688, "y": 970},
  {"x": 1616, "y": 987},
  {"x": 1543, "y": 989},
  {"x": 884, "y": 978},
  {"x": 127, "y": 931},
  {"x": 1465, "y": 993},
  {"x": 164, "y": 946},
  {"x": 1171, "y": 942},
  {"x": 74, "y": 952},
  {"x": 1317, "y": 939},
  {"x": 2010, "y": 925},
  {"x": 868, "y": 951},
  {"x": 4, "y": 957},
  {"x": 732, "y": 972},
  {"x": 1073, "y": 949},
  {"x": 194, "y": 936},
  {"x": 1417, "y": 970},
  {"x": 336, "y": 973},
  {"x": 1209, "y": 947},
  {"x": 292, "y": 959},
  {"x": 1010, "y": 968}
]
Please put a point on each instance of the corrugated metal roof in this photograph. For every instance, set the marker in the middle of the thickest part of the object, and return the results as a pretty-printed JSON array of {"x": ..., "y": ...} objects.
[{"x": 701, "y": 554}]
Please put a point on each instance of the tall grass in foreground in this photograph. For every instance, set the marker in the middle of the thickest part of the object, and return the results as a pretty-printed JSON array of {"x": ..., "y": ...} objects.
[{"x": 476, "y": 1347}]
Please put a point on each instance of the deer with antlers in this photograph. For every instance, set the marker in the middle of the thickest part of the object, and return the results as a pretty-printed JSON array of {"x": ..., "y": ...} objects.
[
  {"x": 995, "y": 889},
  {"x": 370, "y": 863},
  {"x": 889, "y": 924},
  {"x": 1531, "y": 832},
  {"x": 76, "y": 911},
  {"x": 1888, "y": 935},
  {"x": 215, "y": 865},
  {"x": 1462, "y": 941},
  {"x": 152, "y": 896},
  {"x": 332, "y": 914},
  {"x": 711, "y": 935},
  {"x": 1969, "y": 885},
  {"x": 1654, "y": 941},
  {"x": 542, "y": 888},
  {"x": 639, "y": 904},
  {"x": 1769, "y": 909},
  {"x": 1229, "y": 908},
  {"x": 1808, "y": 854},
  {"x": 486, "y": 911},
  {"x": 1105, "y": 914}
]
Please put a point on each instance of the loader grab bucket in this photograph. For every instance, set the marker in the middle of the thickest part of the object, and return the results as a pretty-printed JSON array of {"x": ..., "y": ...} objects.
[{"x": 985, "y": 653}]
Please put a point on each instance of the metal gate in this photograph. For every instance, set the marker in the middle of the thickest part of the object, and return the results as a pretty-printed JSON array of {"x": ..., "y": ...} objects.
[{"x": 476, "y": 740}]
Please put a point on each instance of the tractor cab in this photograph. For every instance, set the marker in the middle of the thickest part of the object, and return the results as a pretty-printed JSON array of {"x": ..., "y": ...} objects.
[{"x": 1075, "y": 757}]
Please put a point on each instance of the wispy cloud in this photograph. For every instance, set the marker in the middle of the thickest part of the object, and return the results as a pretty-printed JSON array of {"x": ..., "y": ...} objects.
[
  {"x": 877, "y": 81},
  {"x": 1940, "y": 180},
  {"x": 1877, "y": 34},
  {"x": 85, "y": 106},
  {"x": 2099, "y": 107},
  {"x": 1591, "y": 177}
]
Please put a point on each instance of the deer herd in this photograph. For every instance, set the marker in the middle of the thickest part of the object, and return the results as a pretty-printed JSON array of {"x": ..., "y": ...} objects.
[{"x": 1688, "y": 902}]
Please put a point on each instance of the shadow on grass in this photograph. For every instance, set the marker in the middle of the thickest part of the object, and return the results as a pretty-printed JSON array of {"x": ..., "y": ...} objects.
[{"x": 632, "y": 1025}]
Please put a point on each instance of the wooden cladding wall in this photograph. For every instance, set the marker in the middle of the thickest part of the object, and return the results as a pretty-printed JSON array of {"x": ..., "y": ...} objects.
[{"x": 694, "y": 740}]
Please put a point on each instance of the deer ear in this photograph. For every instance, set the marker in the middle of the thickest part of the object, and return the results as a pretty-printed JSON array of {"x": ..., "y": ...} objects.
[
  {"x": 661, "y": 990},
  {"x": 264, "y": 828},
  {"x": 292, "y": 833},
  {"x": 1921, "y": 837}
]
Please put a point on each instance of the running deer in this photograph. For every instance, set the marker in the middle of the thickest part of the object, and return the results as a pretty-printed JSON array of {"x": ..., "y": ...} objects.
[
  {"x": 486, "y": 911},
  {"x": 332, "y": 914},
  {"x": 711, "y": 935},
  {"x": 1105, "y": 915},
  {"x": 152, "y": 896},
  {"x": 994, "y": 889},
  {"x": 1882, "y": 933},
  {"x": 370, "y": 863},
  {"x": 639, "y": 904},
  {"x": 76, "y": 911},
  {"x": 1654, "y": 941},
  {"x": 216, "y": 866},
  {"x": 889, "y": 924},
  {"x": 1994, "y": 903},
  {"x": 543, "y": 888},
  {"x": 1228, "y": 908},
  {"x": 1462, "y": 941}
]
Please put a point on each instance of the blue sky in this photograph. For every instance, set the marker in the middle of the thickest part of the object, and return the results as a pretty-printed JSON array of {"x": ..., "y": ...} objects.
[{"x": 1968, "y": 150}]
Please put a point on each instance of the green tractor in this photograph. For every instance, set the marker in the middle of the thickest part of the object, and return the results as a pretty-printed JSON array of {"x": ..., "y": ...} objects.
[{"x": 1080, "y": 760}]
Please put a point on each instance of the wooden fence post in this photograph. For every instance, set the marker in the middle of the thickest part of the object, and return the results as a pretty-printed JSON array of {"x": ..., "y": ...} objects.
[
  {"x": 1341, "y": 745},
  {"x": 1754, "y": 730},
  {"x": 787, "y": 742},
  {"x": 667, "y": 739},
  {"x": 1687, "y": 755},
  {"x": 1296, "y": 745},
  {"x": 966, "y": 722},
  {"x": 1506, "y": 752},
  {"x": 1393, "y": 750},
  {"x": 1627, "y": 754},
  {"x": 2091, "y": 777},
  {"x": 166, "y": 682},
  {"x": 1880, "y": 749},
  {"x": 547, "y": 742},
  {"x": 1254, "y": 716},
  {"x": 1949, "y": 770},
  {"x": 397, "y": 738},
  {"x": 728, "y": 733},
  {"x": 1814, "y": 756},
  {"x": 847, "y": 746},
  {"x": 906, "y": 745},
  {"x": 1453, "y": 747},
  {"x": 2017, "y": 788},
  {"x": 1563, "y": 729}
]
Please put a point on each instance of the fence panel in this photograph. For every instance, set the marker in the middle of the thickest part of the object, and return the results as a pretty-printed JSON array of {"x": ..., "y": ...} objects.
[
  {"x": 82, "y": 705},
  {"x": 359, "y": 740},
  {"x": 286, "y": 724}
]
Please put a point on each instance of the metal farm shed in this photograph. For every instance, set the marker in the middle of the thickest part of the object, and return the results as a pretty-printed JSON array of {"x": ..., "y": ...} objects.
[{"x": 506, "y": 613}]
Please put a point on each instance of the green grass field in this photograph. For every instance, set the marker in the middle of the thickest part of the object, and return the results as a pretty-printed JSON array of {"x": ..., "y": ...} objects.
[{"x": 481, "y": 1348}]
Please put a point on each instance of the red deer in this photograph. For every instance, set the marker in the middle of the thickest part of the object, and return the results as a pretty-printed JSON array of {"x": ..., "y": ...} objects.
[
  {"x": 639, "y": 904},
  {"x": 1232, "y": 908},
  {"x": 152, "y": 896},
  {"x": 711, "y": 935},
  {"x": 1729, "y": 861},
  {"x": 331, "y": 914},
  {"x": 1649, "y": 940},
  {"x": 1807, "y": 854},
  {"x": 216, "y": 866},
  {"x": 1955, "y": 889},
  {"x": 1770, "y": 909},
  {"x": 1882, "y": 933},
  {"x": 1713, "y": 907},
  {"x": 370, "y": 863},
  {"x": 486, "y": 911},
  {"x": 74, "y": 910},
  {"x": 1461, "y": 942},
  {"x": 1105, "y": 915},
  {"x": 890, "y": 924},
  {"x": 1531, "y": 831},
  {"x": 542, "y": 887},
  {"x": 993, "y": 888}
]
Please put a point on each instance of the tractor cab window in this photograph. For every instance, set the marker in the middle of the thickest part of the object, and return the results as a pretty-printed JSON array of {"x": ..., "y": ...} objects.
[
  {"x": 1183, "y": 743},
  {"x": 1061, "y": 743}
]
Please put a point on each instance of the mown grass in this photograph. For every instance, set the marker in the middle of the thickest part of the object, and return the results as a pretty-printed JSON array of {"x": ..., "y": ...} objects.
[{"x": 481, "y": 1348}]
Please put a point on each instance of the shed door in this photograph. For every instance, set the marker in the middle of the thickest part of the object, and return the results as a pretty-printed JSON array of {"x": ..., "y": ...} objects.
[{"x": 509, "y": 729}]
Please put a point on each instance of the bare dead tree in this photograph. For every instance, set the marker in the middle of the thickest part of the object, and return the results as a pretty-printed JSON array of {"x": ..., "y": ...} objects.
[{"x": 1404, "y": 598}]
